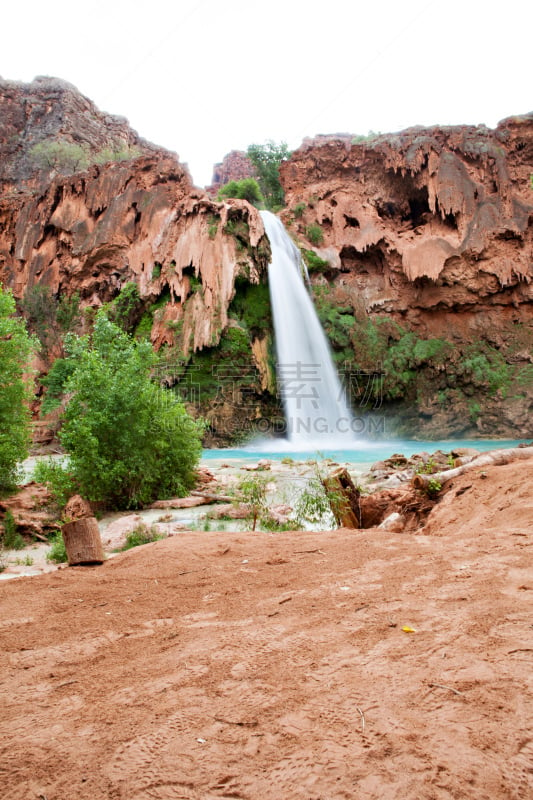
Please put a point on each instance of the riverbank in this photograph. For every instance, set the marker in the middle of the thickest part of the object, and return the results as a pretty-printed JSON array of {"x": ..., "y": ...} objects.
[
  {"x": 376, "y": 663},
  {"x": 285, "y": 473}
]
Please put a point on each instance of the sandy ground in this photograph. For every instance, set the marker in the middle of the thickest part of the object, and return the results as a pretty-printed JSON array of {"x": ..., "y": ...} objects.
[{"x": 239, "y": 665}]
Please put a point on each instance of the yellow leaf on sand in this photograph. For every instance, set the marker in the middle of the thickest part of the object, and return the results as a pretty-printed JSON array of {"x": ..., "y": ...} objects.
[{"x": 407, "y": 629}]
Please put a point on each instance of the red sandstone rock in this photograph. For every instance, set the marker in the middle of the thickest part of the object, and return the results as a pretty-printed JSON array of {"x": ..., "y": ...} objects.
[
  {"x": 234, "y": 167},
  {"x": 50, "y": 109},
  {"x": 78, "y": 508},
  {"x": 138, "y": 221},
  {"x": 451, "y": 205},
  {"x": 32, "y": 510}
]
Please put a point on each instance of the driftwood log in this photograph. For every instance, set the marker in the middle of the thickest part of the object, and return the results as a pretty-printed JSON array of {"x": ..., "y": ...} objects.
[
  {"x": 344, "y": 497},
  {"x": 82, "y": 541},
  {"x": 493, "y": 457}
]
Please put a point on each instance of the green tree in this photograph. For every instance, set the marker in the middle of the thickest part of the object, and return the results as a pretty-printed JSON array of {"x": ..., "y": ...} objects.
[
  {"x": 60, "y": 155},
  {"x": 253, "y": 493},
  {"x": 16, "y": 348},
  {"x": 245, "y": 189},
  {"x": 129, "y": 441},
  {"x": 127, "y": 307},
  {"x": 266, "y": 159}
]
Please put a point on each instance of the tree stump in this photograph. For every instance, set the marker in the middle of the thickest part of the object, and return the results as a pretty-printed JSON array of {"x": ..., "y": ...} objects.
[
  {"x": 343, "y": 498},
  {"x": 82, "y": 541}
]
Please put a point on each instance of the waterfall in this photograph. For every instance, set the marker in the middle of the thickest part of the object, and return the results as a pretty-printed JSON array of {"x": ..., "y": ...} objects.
[{"x": 316, "y": 410}]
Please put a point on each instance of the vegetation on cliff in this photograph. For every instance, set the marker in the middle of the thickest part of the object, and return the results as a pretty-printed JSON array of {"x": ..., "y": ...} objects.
[
  {"x": 267, "y": 159},
  {"x": 15, "y": 391},
  {"x": 245, "y": 189}
]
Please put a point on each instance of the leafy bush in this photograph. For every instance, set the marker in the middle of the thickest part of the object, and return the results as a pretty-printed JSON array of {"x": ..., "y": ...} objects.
[
  {"x": 251, "y": 305},
  {"x": 298, "y": 210},
  {"x": 245, "y": 189},
  {"x": 57, "y": 552},
  {"x": 122, "y": 152},
  {"x": 314, "y": 262},
  {"x": 125, "y": 310},
  {"x": 12, "y": 540},
  {"x": 142, "y": 534},
  {"x": 129, "y": 442},
  {"x": 56, "y": 477},
  {"x": 60, "y": 155},
  {"x": 433, "y": 487},
  {"x": 16, "y": 347},
  {"x": 313, "y": 505},
  {"x": 212, "y": 225},
  {"x": 485, "y": 367},
  {"x": 253, "y": 493},
  {"x": 361, "y": 138},
  {"x": 55, "y": 383},
  {"x": 314, "y": 234}
]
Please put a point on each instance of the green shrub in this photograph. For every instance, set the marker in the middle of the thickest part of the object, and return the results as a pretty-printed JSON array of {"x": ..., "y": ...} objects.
[
  {"x": 212, "y": 225},
  {"x": 433, "y": 487},
  {"x": 12, "y": 540},
  {"x": 251, "y": 305},
  {"x": 141, "y": 535},
  {"x": 313, "y": 505},
  {"x": 245, "y": 189},
  {"x": 16, "y": 348},
  {"x": 60, "y": 155},
  {"x": 485, "y": 367},
  {"x": 253, "y": 493},
  {"x": 57, "y": 552},
  {"x": 129, "y": 442},
  {"x": 55, "y": 383},
  {"x": 122, "y": 152},
  {"x": 315, "y": 234},
  {"x": 314, "y": 262},
  {"x": 125, "y": 310},
  {"x": 298, "y": 210},
  {"x": 55, "y": 475},
  {"x": 361, "y": 138}
]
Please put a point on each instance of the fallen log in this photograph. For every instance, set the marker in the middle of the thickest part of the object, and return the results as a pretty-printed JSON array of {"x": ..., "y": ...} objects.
[
  {"x": 213, "y": 498},
  {"x": 343, "y": 497},
  {"x": 492, "y": 458}
]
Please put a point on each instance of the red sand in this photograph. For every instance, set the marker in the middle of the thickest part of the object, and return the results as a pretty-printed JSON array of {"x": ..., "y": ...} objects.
[{"x": 224, "y": 665}]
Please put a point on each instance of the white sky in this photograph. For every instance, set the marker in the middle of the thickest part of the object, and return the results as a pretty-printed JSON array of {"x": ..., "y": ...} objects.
[{"x": 203, "y": 77}]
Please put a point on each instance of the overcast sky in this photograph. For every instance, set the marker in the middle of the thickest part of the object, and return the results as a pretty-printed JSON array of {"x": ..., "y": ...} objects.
[{"x": 203, "y": 77}]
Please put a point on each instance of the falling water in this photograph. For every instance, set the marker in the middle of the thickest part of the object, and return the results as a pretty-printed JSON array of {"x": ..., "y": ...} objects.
[{"x": 316, "y": 410}]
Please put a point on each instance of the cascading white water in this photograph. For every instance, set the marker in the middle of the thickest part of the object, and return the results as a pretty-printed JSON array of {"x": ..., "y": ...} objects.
[{"x": 316, "y": 410}]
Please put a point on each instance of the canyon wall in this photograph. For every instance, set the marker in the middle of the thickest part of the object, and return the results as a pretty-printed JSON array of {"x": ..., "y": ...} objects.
[
  {"x": 129, "y": 220},
  {"x": 419, "y": 247},
  {"x": 430, "y": 228},
  {"x": 52, "y": 110}
]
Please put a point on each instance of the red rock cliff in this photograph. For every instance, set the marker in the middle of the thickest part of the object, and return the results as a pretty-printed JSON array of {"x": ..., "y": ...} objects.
[
  {"x": 51, "y": 110},
  {"x": 425, "y": 219},
  {"x": 430, "y": 227},
  {"x": 138, "y": 221}
]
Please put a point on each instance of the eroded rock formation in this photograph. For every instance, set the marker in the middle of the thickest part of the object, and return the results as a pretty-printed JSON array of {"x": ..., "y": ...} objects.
[
  {"x": 139, "y": 221},
  {"x": 430, "y": 228},
  {"x": 424, "y": 219},
  {"x": 52, "y": 110},
  {"x": 234, "y": 167},
  {"x": 125, "y": 220}
]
